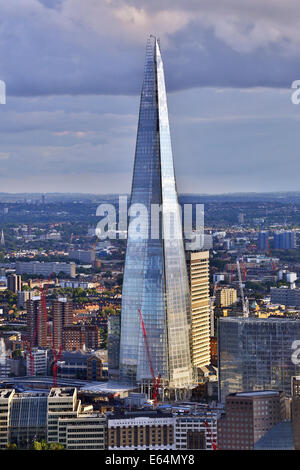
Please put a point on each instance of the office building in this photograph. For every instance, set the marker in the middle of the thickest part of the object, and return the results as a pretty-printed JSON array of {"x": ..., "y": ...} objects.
[
  {"x": 284, "y": 240},
  {"x": 69, "y": 424},
  {"x": 62, "y": 317},
  {"x": 37, "y": 364},
  {"x": 248, "y": 416},
  {"x": 36, "y": 323},
  {"x": 285, "y": 296},
  {"x": 197, "y": 431},
  {"x": 141, "y": 430},
  {"x": 14, "y": 283},
  {"x": 28, "y": 419},
  {"x": 45, "y": 268},
  {"x": 155, "y": 274},
  {"x": 198, "y": 270},
  {"x": 6, "y": 396},
  {"x": 256, "y": 354}
]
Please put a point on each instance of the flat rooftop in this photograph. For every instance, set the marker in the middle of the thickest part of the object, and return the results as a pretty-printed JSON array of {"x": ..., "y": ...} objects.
[
  {"x": 5, "y": 392},
  {"x": 61, "y": 392},
  {"x": 256, "y": 393}
]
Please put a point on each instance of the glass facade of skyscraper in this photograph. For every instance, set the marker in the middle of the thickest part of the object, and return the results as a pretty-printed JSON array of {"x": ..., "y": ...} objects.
[
  {"x": 155, "y": 275},
  {"x": 256, "y": 354}
]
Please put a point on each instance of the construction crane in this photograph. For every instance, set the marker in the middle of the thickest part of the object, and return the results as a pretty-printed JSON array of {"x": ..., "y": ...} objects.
[
  {"x": 212, "y": 439},
  {"x": 56, "y": 354},
  {"x": 244, "y": 301},
  {"x": 156, "y": 380},
  {"x": 274, "y": 267}
]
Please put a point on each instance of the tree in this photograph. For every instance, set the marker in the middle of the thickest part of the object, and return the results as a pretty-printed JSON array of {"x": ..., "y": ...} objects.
[{"x": 11, "y": 446}]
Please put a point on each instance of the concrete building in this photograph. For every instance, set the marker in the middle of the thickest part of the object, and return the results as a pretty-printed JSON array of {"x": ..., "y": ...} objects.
[
  {"x": 198, "y": 270},
  {"x": 6, "y": 396},
  {"x": 197, "y": 432},
  {"x": 86, "y": 257},
  {"x": 284, "y": 240},
  {"x": 248, "y": 416},
  {"x": 225, "y": 297},
  {"x": 148, "y": 430},
  {"x": 36, "y": 323},
  {"x": 62, "y": 317},
  {"x": 39, "y": 363},
  {"x": 14, "y": 283},
  {"x": 262, "y": 241},
  {"x": 45, "y": 268}
]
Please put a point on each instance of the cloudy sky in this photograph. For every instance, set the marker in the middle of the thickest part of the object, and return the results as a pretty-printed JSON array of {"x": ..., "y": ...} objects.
[{"x": 73, "y": 71}]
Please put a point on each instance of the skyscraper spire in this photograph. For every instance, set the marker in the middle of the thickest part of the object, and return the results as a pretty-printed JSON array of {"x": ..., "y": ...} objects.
[{"x": 155, "y": 275}]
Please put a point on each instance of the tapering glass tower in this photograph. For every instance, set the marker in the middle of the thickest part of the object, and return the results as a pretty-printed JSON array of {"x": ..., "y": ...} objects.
[{"x": 155, "y": 274}]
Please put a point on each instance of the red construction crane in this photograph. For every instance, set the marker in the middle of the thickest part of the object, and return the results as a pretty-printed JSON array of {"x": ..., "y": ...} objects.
[
  {"x": 269, "y": 253},
  {"x": 156, "y": 381},
  {"x": 56, "y": 354},
  {"x": 212, "y": 439}
]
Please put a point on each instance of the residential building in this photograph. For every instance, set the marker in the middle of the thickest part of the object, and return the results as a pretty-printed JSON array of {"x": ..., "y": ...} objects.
[
  {"x": 198, "y": 269},
  {"x": 62, "y": 317},
  {"x": 14, "y": 283},
  {"x": 262, "y": 241},
  {"x": 225, "y": 297},
  {"x": 77, "y": 337},
  {"x": 45, "y": 268},
  {"x": 36, "y": 323},
  {"x": 284, "y": 240}
]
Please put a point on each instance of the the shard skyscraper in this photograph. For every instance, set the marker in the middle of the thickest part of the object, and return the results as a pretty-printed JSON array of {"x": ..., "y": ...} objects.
[{"x": 155, "y": 274}]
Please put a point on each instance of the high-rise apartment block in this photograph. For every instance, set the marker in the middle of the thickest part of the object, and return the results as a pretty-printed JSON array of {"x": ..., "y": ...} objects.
[
  {"x": 262, "y": 240},
  {"x": 284, "y": 240},
  {"x": 225, "y": 297},
  {"x": 14, "y": 283},
  {"x": 155, "y": 274},
  {"x": 62, "y": 317},
  {"x": 198, "y": 270},
  {"x": 248, "y": 416},
  {"x": 36, "y": 323}
]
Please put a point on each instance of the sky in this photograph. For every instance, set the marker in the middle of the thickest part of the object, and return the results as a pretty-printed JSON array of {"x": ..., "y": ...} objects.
[{"x": 73, "y": 71}]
